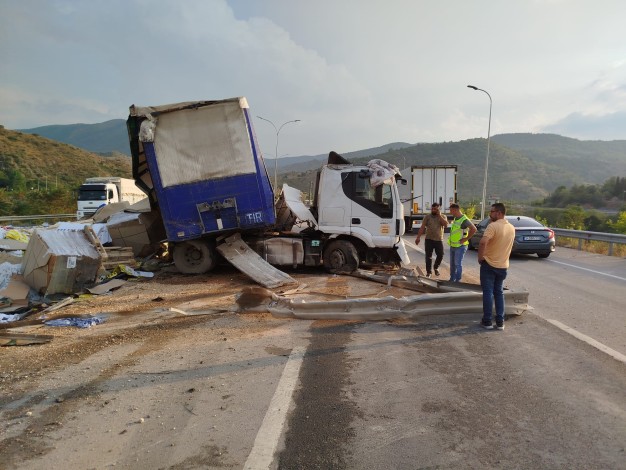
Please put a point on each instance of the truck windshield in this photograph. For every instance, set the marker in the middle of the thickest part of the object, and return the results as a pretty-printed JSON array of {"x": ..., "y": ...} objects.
[
  {"x": 378, "y": 200},
  {"x": 92, "y": 195}
]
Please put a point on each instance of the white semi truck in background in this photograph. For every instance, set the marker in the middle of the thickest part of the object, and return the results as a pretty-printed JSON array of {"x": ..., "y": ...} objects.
[
  {"x": 427, "y": 184},
  {"x": 101, "y": 191}
]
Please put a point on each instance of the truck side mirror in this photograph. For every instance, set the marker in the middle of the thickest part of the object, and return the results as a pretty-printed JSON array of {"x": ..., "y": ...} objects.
[
  {"x": 402, "y": 181},
  {"x": 110, "y": 194}
]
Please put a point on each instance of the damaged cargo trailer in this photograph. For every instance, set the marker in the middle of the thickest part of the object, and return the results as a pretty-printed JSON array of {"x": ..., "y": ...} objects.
[{"x": 200, "y": 164}]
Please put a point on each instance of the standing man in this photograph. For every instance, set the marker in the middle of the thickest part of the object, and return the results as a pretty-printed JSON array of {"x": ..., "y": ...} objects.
[
  {"x": 461, "y": 230},
  {"x": 493, "y": 255},
  {"x": 433, "y": 224}
]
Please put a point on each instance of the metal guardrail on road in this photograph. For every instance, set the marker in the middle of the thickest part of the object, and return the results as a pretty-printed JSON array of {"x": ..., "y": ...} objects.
[
  {"x": 10, "y": 218},
  {"x": 583, "y": 235}
]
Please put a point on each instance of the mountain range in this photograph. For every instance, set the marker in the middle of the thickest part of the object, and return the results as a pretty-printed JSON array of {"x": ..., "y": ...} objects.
[{"x": 521, "y": 166}]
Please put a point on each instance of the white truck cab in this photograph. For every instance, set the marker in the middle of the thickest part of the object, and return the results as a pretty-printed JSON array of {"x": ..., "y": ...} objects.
[
  {"x": 353, "y": 205},
  {"x": 101, "y": 191}
]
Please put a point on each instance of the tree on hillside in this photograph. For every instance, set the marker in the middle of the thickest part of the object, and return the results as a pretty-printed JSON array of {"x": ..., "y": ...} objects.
[
  {"x": 573, "y": 218},
  {"x": 614, "y": 187},
  {"x": 593, "y": 223},
  {"x": 619, "y": 226},
  {"x": 12, "y": 179},
  {"x": 587, "y": 194}
]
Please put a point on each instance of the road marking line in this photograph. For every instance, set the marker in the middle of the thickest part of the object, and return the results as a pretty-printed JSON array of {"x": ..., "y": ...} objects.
[
  {"x": 590, "y": 341},
  {"x": 266, "y": 441},
  {"x": 586, "y": 269}
]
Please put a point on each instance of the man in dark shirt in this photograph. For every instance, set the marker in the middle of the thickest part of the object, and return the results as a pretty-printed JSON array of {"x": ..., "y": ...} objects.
[{"x": 433, "y": 225}]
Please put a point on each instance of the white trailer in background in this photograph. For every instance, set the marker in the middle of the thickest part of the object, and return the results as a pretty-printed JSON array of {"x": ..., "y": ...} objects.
[
  {"x": 425, "y": 185},
  {"x": 103, "y": 190}
]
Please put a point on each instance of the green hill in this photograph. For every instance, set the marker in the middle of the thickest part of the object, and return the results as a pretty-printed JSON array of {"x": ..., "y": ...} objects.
[
  {"x": 522, "y": 166},
  {"x": 593, "y": 161},
  {"x": 40, "y": 176}
]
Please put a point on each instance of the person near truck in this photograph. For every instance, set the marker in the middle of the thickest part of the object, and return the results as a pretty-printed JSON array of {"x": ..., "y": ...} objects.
[
  {"x": 493, "y": 255},
  {"x": 461, "y": 230},
  {"x": 433, "y": 225}
]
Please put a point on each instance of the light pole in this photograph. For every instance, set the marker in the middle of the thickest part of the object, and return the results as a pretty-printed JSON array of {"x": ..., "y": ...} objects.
[
  {"x": 276, "y": 154},
  {"x": 482, "y": 211}
]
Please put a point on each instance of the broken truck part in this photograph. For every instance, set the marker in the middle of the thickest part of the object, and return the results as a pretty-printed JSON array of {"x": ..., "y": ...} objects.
[
  {"x": 438, "y": 300},
  {"x": 201, "y": 166}
]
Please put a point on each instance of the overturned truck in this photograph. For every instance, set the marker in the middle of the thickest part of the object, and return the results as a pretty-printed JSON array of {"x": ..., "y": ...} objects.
[{"x": 200, "y": 164}]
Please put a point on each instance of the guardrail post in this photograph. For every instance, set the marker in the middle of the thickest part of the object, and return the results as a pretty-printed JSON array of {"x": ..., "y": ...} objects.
[
  {"x": 580, "y": 244},
  {"x": 610, "y": 248}
]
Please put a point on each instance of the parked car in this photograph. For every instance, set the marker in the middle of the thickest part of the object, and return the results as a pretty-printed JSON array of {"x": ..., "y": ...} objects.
[{"x": 530, "y": 236}]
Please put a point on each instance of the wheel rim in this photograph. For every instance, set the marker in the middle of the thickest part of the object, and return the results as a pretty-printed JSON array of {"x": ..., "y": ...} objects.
[
  {"x": 337, "y": 259},
  {"x": 193, "y": 256}
]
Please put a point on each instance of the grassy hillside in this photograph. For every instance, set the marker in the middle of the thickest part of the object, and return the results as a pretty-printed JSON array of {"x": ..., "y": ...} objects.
[
  {"x": 40, "y": 176},
  {"x": 512, "y": 175},
  {"x": 593, "y": 161},
  {"x": 522, "y": 167}
]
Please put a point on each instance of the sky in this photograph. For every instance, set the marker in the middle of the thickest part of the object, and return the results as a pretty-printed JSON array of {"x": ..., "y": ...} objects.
[{"x": 356, "y": 73}]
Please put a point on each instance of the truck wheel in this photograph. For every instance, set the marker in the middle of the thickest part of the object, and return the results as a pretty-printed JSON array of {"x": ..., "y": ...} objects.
[
  {"x": 341, "y": 255},
  {"x": 194, "y": 257}
]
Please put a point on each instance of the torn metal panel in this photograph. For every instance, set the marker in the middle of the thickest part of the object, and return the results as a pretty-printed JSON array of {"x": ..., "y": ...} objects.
[
  {"x": 416, "y": 283},
  {"x": 291, "y": 213},
  {"x": 391, "y": 308},
  {"x": 244, "y": 258}
]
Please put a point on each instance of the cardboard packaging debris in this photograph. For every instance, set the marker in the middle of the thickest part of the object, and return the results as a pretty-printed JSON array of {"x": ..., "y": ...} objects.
[
  {"x": 136, "y": 230},
  {"x": 59, "y": 262},
  {"x": 17, "y": 291},
  {"x": 99, "y": 229},
  {"x": 8, "y": 244},
  {"x": 103, "y": 214}
]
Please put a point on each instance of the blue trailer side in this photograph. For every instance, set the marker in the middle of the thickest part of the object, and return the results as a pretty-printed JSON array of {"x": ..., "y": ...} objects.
[{"x": 200, "y": 164}]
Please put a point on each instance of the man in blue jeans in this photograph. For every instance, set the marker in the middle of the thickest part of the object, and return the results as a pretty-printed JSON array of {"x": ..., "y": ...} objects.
[
  {"x": 493, "y": 255},
  {"x": 461, "y": 230}
]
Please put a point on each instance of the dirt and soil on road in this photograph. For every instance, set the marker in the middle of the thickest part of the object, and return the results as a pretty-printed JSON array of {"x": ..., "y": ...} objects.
[{"x": 43, "y": 385}]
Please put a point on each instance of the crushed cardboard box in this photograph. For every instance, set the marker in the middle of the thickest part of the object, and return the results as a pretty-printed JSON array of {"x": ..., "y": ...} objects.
[
  {"x": 60, "y": 262},
  {"x": 140, "y": 231},
  {"x": 16, "y": 290}
]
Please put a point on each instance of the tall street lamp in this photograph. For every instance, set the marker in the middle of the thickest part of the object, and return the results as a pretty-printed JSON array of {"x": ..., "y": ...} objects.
[
  {"x": 482, "y": 211},
  {"x": 276, "y": 153}
]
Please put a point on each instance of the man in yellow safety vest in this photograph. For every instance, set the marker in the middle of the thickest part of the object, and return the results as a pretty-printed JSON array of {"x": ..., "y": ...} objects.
[{"x": 461, "y": 230}]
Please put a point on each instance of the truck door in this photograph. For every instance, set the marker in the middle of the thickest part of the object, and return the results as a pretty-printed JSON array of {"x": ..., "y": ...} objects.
[{"x": 371, "y": 209}]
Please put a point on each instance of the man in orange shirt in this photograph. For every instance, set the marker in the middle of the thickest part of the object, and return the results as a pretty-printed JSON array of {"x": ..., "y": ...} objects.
[{"x": 493, "y": 255}]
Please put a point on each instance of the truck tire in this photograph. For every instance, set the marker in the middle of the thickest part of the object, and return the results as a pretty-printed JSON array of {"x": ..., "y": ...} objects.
[
  {"x": 194, "y": 257},
  {"x": 341, "y": 255}
]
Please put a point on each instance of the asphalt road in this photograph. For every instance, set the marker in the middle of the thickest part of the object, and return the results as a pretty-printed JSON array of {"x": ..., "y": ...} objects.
[
  {"x": 446, "y": 394},
  {"x": 581, "y": 290},
  {"x": 255, "y": 392}
]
